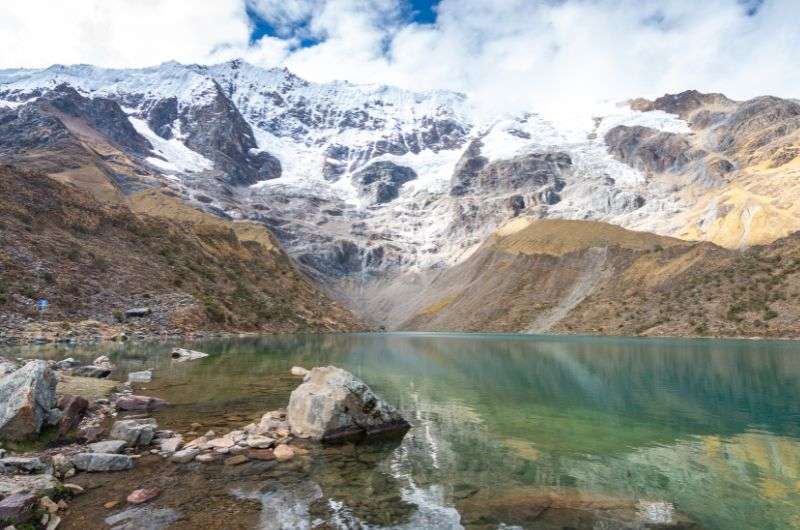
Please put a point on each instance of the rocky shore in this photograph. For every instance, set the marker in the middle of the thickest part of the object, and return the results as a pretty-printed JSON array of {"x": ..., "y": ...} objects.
[{"x": 59, "y": 420}]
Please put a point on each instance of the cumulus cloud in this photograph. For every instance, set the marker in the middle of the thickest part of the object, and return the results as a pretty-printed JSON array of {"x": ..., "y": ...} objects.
[{"x": 509, "y": 54}]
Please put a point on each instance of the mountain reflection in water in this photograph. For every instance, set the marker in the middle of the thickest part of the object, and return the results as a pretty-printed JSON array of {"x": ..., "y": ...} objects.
[{"x": 503, "y": 424}]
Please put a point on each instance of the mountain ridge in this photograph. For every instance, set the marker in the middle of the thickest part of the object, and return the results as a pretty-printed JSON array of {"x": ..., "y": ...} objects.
[{"x": 370, "y": 188}]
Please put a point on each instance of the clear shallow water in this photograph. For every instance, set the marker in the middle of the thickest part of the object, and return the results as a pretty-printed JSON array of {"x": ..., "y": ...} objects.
[{"x": 711, "y": 426}]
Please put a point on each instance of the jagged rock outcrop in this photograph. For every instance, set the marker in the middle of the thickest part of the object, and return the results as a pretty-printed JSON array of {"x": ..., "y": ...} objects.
[
  {"x": 216, "y": 129},
  {"x": 27, "y": 397},
  {"x": 380, "y": 182},
  {"x": 683, "y": 104},
  {"x": 474, "y": 174},
  {"x": 333, "y": 405},
  {"x": 161, "y": 117},
  {"x": 649, "y": 150},
  {"x": 102, "y": 114}
]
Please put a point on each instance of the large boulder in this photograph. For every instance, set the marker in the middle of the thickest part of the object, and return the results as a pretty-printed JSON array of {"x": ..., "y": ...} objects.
[
  {"x": 333, "y": 405},
  {"x": 26, "y": 398}
]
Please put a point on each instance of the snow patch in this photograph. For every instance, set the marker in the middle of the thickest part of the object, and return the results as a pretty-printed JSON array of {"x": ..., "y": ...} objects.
[{"x": 175, "y": 156}]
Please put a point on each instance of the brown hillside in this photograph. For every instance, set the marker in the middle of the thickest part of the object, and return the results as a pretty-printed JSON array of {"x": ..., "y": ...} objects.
[
  {"x": 94, "y": 260},
  {"x": 587, "y": 277}
]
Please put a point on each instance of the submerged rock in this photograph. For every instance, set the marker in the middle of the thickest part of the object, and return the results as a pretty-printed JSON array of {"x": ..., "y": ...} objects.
[
  {"x": 26, "y": 398},
  {"x": 91, "y": 371},
  {"x": 134, "y": 402},
  {"x": 143, "y": 495},
  {"x": 333, "y": 405},
  {"x": 182, "y": 354}
]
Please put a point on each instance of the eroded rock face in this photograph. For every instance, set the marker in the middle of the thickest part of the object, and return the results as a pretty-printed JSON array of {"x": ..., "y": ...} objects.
[
  {"x": 26, "y": 398},
  {"x": 218, "y": 131},
  {"x": 333, "y": 405},
  {"x": 544, "y": 171},
  {"x": 649, "y": 150},
  {"x": 380, "y": 182}
]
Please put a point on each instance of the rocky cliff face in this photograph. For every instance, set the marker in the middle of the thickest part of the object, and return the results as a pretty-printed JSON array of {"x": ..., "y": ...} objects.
[{"x": 366, "y": 185}]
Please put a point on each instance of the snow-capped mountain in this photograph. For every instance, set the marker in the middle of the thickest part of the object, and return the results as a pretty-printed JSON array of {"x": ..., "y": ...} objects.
[{"x": 363, "y": 184}]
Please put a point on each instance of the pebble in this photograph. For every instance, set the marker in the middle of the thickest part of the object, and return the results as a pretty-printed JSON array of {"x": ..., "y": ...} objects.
[
  {"x": 73, "y": 488},
  {"x": 283, "y": 453},
  {"x": 205, "y": 458},
  {"x": 143, "y": 495},
  {"x": 111, "y": 505}
]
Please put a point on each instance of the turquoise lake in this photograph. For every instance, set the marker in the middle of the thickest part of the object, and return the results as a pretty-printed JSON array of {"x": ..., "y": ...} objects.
[{"x": 710, "y": 426}]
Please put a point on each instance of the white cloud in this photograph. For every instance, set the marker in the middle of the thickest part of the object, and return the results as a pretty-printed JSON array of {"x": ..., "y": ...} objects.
[{"x": 507, "y": 53}]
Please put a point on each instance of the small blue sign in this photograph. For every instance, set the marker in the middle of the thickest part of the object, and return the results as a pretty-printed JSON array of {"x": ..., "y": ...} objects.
[{"x": 42, "y": 304}]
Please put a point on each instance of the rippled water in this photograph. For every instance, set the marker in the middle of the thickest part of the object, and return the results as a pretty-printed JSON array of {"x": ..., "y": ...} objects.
[{"x": 711, "y": 426}]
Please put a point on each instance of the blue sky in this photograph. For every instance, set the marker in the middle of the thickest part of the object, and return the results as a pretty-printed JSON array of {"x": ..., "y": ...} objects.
[{"x": 414, "y": 11}]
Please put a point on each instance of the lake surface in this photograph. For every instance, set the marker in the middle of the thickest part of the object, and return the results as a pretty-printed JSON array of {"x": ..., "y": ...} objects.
[{"x": 710, "y": 426}]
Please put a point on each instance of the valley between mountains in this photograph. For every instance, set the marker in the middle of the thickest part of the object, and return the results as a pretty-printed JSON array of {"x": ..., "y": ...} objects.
[{"x": 233, "y": 198}]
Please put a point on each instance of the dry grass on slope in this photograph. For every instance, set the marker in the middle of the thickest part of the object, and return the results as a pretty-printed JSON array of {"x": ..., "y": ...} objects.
[
  {"x": 596, "y": 279},
  {"x": 557, "y": 237},
  {"x": 93, "y": 261}
]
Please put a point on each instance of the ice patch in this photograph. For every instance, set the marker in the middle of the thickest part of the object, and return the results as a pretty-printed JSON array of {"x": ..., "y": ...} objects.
[{"x": 177, "y": 158}]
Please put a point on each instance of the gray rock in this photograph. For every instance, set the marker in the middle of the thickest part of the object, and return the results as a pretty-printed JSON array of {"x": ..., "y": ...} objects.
[
  {"x": 380, "y": 182},
  {"x": 65, "y": 364},
  {"x": 171, "y": 445},
  {"x": 26, "y": 398},
  {"x": 142, "y": 518},
  {"x": 20, "y": 464},
  {"x": 108, "y": 446},
  {"x": 649, "y": 150},
  {"x": 102, "y": 462},
  {"x": 17, "y": 508},
  {"x": 542, "y": 171},
  {"x": 61, "y": 465},
  {"x": 333, "y": 405},
  {"x": 91, "y": 371},
  {"x": 54, "y": 416},
  {"x": 185, "y": 455},
  {"x": 39, "y": 484},
  {"x": 134, "y": 431},
  {"x": 138, "y": 312}
]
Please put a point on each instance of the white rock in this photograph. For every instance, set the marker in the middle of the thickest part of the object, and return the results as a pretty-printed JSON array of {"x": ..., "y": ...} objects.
[
  {"x": 299, "y": 371},
  {"x": 144, "y": 376},
  {"x": 185, "y": 455},
  {"x": 259, "y": 442}
]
